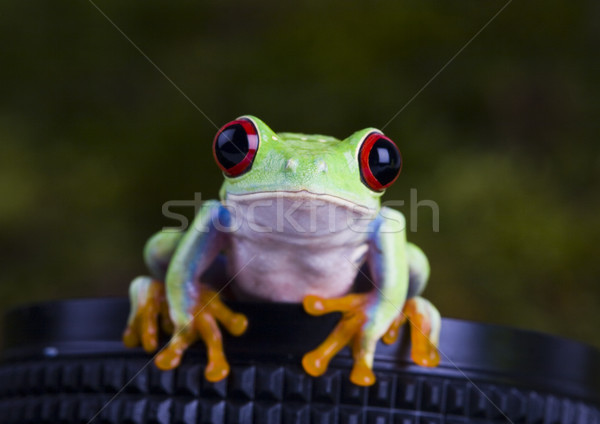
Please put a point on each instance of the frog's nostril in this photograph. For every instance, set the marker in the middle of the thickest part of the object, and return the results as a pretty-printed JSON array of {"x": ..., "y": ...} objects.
[{"x": 291, "y": 165}]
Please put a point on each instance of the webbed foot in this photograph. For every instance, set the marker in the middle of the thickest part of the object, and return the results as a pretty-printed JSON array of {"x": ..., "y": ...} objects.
[
  {"x": 425, "y": 322},
  {"x": 207, "y": 312},
  {"x": 353, "y": 329},
  {"x": 148, "y": 305}
]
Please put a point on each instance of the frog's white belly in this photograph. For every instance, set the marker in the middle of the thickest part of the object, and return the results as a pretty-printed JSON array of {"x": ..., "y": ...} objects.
[{"x": 294, "y": 244}]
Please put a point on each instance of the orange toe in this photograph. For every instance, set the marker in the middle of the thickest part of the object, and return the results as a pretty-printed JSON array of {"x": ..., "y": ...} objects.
[
  {"x": 315, "y": 364},
  {"x": 426, "y": 356},
  {"x": 361, "y": 374},
  {"x": 170, "y": 357},
  {"x": 130, "y": 338},
  {"x": 168, "y": 360},
  {"x": 314, "y": 305},
  {"x": 424, "y": 351},
  {"x": 216, "y": 370},
  {"x": 393, "y": 331}
]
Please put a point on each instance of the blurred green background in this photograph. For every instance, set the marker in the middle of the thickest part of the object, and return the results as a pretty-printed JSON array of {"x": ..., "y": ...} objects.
[{"x": 93, "y": 139}]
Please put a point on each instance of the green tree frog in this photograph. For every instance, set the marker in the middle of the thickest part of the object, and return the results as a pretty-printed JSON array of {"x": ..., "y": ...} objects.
[{"x": 298, "y": 216}]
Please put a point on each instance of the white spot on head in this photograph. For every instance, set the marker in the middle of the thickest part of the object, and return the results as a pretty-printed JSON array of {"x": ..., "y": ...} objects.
[
  {"x": 303, "y": 138},
  {"x": 292, "y": 164},
  {"x": 321, "y": 165},
  {"x": 274, "y": 138},
  {"x": 350, "y": 159}
]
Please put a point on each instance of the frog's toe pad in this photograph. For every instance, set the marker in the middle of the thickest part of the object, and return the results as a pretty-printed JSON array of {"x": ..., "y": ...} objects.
[
  {"x": 391, "y": 335},
  {"x": 167, "y": 361},
  {"x": 427, "y": 356},
  {"x": 216, "y": 370},
  {"x": 237, "y": 324},
  {"x": 362, "y": 375},
  {"x": 170, "y": 356},
  {"x": 314, "y": 305},
  {"x": 130, "y": 338},
  {"x": 314, "y": 363}
]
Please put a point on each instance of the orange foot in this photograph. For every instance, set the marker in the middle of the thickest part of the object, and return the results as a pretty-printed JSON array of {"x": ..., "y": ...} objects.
[
  {"x": 424, "y": 321},
  {"x": 350, "y": 330},
  {"x": 203, "y": 325},
  {"x": 148, "y": 306}
]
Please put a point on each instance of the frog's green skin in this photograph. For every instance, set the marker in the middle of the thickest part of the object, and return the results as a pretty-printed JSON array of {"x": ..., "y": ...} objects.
[{"x": 287, "y": 263}]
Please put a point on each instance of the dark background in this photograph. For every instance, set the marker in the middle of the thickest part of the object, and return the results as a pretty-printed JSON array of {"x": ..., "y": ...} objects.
[{"x": 93, "y": 139}]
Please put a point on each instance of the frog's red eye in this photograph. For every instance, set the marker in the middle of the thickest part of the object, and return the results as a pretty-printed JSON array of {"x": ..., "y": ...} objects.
[
  {"x": 380, "y": 162},
  {"x": 235, "y": 146}
]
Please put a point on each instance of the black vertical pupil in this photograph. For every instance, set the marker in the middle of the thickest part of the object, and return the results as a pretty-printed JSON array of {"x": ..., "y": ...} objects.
[
  {"x": 232, "y": 145},
  {"x": 384, "y": 161}
]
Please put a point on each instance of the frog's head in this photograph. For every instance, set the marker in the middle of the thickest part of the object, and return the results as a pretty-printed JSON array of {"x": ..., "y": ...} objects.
[{"x": 355, "y": 171}]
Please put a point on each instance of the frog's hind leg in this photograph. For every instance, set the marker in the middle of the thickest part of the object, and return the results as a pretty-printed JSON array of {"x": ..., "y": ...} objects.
[
  {"x": 159, "y": 250},
  {"x": 148, "y": 302},
  {"x": 423, "y": 317},
  {"x": 147, "y": 294},
  {"x": 425, "y": 324},
  {"x": 418, "y": 268}
]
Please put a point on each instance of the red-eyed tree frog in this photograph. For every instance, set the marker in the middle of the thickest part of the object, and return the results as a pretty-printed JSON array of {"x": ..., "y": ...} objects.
[{"x": 298, "y": 216}]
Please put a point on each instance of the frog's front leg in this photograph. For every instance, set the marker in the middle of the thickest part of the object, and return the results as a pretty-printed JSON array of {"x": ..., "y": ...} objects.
[
  {"x": 194, "y": 308},
  {"x": 147, "y": 293},
  {"x": 369, "y": 316}
]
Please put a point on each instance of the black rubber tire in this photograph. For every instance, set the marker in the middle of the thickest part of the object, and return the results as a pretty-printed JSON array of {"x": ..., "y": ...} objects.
[{"x": 64, "y": 363}]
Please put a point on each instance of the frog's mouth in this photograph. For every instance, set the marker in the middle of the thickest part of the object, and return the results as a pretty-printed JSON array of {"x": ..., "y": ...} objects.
[
  {"x": 302, "y": 200},
  {"x": 300, "y": 217}
]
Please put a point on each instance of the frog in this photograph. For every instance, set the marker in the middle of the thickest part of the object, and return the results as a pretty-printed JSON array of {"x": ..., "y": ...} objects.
[{"x": 299, "y": 218}]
